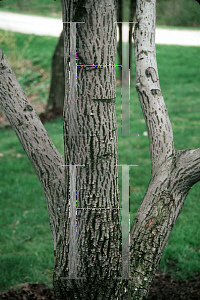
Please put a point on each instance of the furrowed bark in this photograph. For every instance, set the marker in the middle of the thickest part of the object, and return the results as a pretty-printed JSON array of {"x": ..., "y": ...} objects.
[{"x": 90, "y": 136}]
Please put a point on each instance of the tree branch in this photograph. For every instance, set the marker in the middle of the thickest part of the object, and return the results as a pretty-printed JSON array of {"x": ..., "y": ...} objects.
[
  {"x": 34, "y": 139},
  {"x": 187, "y": 168},
  {"x": 148, "y": 87},
  {"x": 173, "y": 174}
]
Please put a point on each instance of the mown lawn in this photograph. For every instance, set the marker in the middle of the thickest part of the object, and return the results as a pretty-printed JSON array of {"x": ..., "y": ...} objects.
[{"x": 26, "y": 249}]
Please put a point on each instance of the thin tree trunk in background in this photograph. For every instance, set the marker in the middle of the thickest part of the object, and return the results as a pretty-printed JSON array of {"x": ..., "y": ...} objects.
[{"x": 57, "y": 88}]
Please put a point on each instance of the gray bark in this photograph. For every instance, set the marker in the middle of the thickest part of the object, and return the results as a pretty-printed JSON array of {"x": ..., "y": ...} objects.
[
  {"x": 91, "y": 141},
  {"x": 172, "y": 174},
  {"x": 35, "y": 141}
]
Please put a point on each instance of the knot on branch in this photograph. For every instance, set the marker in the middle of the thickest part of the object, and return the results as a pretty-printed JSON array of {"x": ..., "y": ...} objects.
[
  {"x": 167, "y": 197},
  {"x": 151, "y": 72},
  {"x": 156, "y": 92},
  {"x": 28, "y": 108}
]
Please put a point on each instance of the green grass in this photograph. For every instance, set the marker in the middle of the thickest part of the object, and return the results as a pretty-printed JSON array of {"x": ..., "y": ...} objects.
[
  {"x": 23, "y": 216},
  {"x": 48, "y": 8},
  {"x": 31, "y": 66},
  {"x": 178, "y": 13},
  {"x": 26, "y": 249},
  {"x": 18, "y": 46}
]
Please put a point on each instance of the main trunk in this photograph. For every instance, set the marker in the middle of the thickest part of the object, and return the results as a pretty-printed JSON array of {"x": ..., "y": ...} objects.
[{"x": 90, "y": 137}]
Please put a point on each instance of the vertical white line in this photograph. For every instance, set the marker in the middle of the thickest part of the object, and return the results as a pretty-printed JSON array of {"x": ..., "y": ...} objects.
[
  {"x": 125, "y": 98},
  {"x": 125, "y": 220},
  {"x": 72, "y": 81},
  {"x": 72, "y": 230}
]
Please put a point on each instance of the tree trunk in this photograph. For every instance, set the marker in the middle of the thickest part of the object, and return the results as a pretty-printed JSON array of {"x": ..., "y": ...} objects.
[
  {"x": 90, "y": 137},
  {"x": 57, "y": 88}
]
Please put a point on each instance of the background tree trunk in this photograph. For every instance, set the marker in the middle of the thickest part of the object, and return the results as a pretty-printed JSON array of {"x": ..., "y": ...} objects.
[{"x": 57, "y": 88}]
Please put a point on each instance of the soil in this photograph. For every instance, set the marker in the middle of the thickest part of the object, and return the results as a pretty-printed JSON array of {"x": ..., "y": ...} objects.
[{"x": 163, "y": 288}]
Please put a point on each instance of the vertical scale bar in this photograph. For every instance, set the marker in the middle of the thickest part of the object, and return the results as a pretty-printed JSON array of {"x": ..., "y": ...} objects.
[
  {"x": 125, "y": 96},
  {"x": 73, "y": 253},
  {"x": 72, "y": 91},
  {"x": 125, "y": 89},
  {"x": 125, "y": 220},
  {"x": 72, "y": 230},
  {"x": 72, "y": 131}
]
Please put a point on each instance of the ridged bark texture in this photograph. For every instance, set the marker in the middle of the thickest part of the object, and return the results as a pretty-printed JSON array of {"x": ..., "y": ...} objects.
[{"x": 90, "y": 135}]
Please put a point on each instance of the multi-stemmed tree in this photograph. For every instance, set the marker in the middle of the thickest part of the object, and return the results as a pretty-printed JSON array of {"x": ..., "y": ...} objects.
[{"x": 89, "y": 267}]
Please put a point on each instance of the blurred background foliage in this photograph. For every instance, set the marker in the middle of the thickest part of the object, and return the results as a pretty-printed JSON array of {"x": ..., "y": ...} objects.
[{"x": 171, "y": 13}]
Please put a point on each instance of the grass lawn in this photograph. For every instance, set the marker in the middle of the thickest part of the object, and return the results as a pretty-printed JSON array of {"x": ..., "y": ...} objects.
[
  {"x": 48, "y": 8},
  {"x": 26, "y": 248}
]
